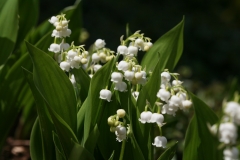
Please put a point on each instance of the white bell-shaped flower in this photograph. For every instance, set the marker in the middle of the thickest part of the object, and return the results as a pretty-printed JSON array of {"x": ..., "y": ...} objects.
[
  {"x": 231, "y": 107},
  {"x": 65, "y": 33},
  {"x": 123, "y": 66},
  {"x": 64, "y": 46},
  {"x": 65, "y": 66},
  {"x": 176, "y": 83},
  {"x": 231, "y": 153},
  {"x": 145, "y": 116},
  {"x": 121, "y": 133},
  {"x": 99, "y": 43},
  {"x": 116, "y": 77},
  {"x": 55, "y": 33},
  {"x": 157, "y": 118},
  {"x": 106, "y": 94},
  {"x": 164, "y": 95},
  {"x": 147, "y": 46},
  {"x": 186, "y": 104},
  {"x": 160, "y": 141},
  {"x": 169, "y": 109},
  {"x": 53, "y": 20},
  {"x": 135, "y": 95},
  {"x": 122, "y": 50},
  {"x": 74, "y": 64},
  {"x": 96, "y": 67},
  {"x": 129, "y": 75},
  {"x": 165, "y": 77},
  {"x": 182, "y": 95},
  {"x": 175, "y": 101},
  {"x": 138, "y": 75},
  {"x": 227, "y": 133},
  {"x": 132, "y": 50},
  {"x": 71, "y": 54},
  {"x": 139, "y": 43},
  {"x": 77, "y": 59},
  {"x": 54, "y": 48},
  {"x": 95, "y": 58},
  {"x": 233, "y": 110},
  {"x": 120, "y": 86},
  {"x": 143, "y": 79}
]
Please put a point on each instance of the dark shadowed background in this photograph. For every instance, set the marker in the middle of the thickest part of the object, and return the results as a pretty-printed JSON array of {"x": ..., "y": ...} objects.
[{"x": 212, "y": 29}]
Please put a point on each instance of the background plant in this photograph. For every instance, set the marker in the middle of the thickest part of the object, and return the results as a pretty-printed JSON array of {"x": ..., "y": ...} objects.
[{"x": 170, "y": 45}]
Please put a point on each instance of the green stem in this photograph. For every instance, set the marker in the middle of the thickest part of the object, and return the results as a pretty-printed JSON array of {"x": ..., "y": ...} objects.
[
  {"x": 160, "y": 130},
  {"x": 122, "y": 149}
]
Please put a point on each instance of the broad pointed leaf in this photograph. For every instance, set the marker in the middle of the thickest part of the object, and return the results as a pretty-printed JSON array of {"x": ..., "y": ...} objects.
[{"x": 54, "y": 86}]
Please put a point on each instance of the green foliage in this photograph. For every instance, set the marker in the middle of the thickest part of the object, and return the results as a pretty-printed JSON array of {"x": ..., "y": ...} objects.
[
  {"x": 169, "y": 153},
  {"x": 9, "y": 28},
  {"x": 198, "y": 136},
  {"x": 71, "y": 118}
]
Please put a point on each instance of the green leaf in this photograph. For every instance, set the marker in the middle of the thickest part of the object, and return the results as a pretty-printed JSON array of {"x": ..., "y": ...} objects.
[
  {"x": 92, "y": 139},
  {"x": 83, "y": 79},
  {"x": 58, "y": 147},
  {"x": 54, "y": 86},
  {"x": 112, "y": 156},
  {"x": 9, "y": 28},
  {"x": 44, "y": 120},
  {"x": 168, "y": 153},
  {"x": 95, "y": 107},
  {"x": 64, "y": 132},
  {"x": 36, "y": 147},
  {"x": 198, "y": 135},
  {"x": 13, "y": 84},
  {"x": 109, "y": 109},
  {"x": 79, "y": 153},
  {"x": 167, "y": 48}
]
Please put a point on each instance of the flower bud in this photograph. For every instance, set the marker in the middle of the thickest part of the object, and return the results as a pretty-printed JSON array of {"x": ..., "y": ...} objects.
[
  {"x": 121, "y": 113},
  {"x": 138, "y": 75},
  {"x": 112, "y": 129},
  {"x": 110, "y": 121},
  {"x": 84, "y": 60},
  {"x": 116, "y": 123},
  {"x": 59, "y": 28}
]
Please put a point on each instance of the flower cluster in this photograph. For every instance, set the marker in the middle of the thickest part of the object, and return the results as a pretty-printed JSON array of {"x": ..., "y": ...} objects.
[
  {"x": 133, "y": 43},
  {"x": 67, "y": 56},
  {"x": 60, "y": 32},
  {"x": 100, "y": 56},
  {"x": 226, "y": 130},
  {"x": 171, "y": 97},
  {"x": 117, "y": 126},
  {"x": 128, "y": 69}
]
